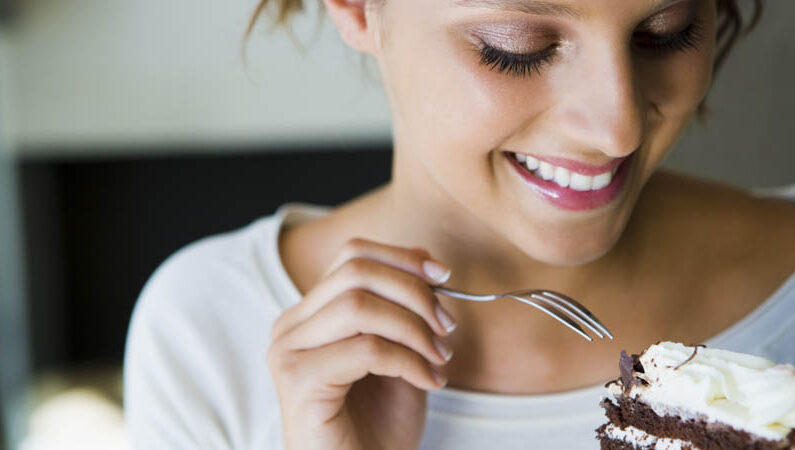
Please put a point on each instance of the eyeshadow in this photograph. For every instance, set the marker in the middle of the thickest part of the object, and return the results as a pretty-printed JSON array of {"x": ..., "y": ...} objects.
[{"x": 672, "y": 18}]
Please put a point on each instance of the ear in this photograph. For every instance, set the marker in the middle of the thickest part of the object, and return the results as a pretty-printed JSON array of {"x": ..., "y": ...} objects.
[{"x": 356, "y": 27}]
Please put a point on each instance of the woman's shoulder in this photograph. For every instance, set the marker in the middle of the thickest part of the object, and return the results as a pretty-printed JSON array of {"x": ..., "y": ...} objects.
[
  {"x": 239, "y": 268},
  {"x": 750, "y": 228},
  {"x": 733, "y": 248},
  {"x": 209, "y": 264},
  {"x": 196, "y": 345},
  {"x": 764, "y": 215}
]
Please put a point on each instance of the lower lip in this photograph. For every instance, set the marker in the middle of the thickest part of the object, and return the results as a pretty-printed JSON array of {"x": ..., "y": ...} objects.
[{"x": 572, "y": 200}]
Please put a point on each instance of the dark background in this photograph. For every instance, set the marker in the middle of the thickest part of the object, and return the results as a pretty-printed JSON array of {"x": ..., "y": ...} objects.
[{"x": 97, "y": 228}]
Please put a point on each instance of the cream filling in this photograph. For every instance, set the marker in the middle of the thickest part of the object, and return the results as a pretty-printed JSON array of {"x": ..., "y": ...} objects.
[
  {"x": 564, "y": 177},
  {"x": 640, "y": 438}
]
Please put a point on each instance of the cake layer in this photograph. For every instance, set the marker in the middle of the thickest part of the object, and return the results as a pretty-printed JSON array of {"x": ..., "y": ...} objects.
[
  {"x": 630, "y": 412},
  {"x": 611, "y": 444},
  {"x": 630, "y": 437}
]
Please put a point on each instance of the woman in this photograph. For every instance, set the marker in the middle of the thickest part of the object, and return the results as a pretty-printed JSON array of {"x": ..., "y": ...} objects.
[{"x": 528, "y": 137}]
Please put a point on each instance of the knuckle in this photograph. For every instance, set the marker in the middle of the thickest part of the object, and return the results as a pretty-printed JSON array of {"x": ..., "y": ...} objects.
[
  {"x": 275, "y": 331},
  {"x": 355, "y": 302},
  {"x": 287, "y": 368},
  {"x": 276, "y": 328},
  {"x": 353, "y": 246},
  {"x": 275, "y": 358},
  {"x": 357, "y": 268},
  {"x": 370, "y": 346}
]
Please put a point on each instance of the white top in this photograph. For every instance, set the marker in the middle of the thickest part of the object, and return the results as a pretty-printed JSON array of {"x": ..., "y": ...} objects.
[{"x": 196, "y": 376}]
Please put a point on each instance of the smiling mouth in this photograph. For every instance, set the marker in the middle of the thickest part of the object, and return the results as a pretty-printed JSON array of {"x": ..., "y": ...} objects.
[
  {"x": 575, "y": 187},
  {"x": 562, "y": 176}
]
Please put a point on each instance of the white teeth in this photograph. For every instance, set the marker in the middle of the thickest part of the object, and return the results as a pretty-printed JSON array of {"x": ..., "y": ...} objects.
[
  {"x": 562, "y": 176},
  {"x": 601, "y": 181},
  {"x": 546, "y": 170},
  {"x": 580, "y": 182},
  {"x": 531, "y": 163}
]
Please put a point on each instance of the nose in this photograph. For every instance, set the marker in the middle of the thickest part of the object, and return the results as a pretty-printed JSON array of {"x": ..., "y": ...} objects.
[{"x": 605, "y": 109}]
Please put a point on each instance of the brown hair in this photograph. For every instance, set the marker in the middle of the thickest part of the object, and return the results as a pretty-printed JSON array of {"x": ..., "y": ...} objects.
[{"x": 731, "y": 25}]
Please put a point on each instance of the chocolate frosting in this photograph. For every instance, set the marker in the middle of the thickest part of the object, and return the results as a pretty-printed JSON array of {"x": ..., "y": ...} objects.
[
  {"x": 695, "y": 351},
  {"x": 627, "y": 365}
]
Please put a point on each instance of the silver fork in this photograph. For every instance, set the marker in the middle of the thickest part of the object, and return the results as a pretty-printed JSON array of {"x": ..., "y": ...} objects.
[{"x": 550, "y": 302}]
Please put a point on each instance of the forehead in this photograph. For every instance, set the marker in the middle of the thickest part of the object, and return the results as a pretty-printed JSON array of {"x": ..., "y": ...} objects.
[
  {"x": 577, "y": 9},
  {"x": 526, "y": 6}
]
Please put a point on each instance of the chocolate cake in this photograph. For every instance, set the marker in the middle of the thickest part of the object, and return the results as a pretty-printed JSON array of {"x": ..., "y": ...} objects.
[{"x": 674, "y": 396}]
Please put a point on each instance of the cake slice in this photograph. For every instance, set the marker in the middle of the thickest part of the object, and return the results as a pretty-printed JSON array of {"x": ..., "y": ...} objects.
[{"x": 674, "y": 396}]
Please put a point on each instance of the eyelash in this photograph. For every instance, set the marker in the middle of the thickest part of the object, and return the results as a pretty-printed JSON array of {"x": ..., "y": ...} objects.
[
  {"x": 524, "y": 64},
  {"x": 516, "y": 64}
]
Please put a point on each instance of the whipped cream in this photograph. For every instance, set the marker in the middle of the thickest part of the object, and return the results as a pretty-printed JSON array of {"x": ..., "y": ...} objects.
[
  {"x": 638, "y": 437},
  {"x": 744, "y": 391}
]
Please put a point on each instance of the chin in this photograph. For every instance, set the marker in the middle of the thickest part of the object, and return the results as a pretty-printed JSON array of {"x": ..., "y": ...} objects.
[
  {"x": 564, "y": 251},
  {"x": 565, "y": 257}
]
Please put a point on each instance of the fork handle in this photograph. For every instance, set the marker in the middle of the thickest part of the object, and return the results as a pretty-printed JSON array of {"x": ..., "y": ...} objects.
[{"x": 464, "y": 295}]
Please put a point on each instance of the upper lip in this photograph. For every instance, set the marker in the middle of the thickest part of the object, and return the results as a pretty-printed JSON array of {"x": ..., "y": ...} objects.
[{"x": 580, "y": 167}]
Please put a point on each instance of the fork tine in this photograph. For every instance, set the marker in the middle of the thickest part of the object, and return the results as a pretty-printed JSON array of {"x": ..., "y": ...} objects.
[
  {"x": 571, "y": 310},
  {"x": 555, "y": 315},
  {"x": 582, "y": 309}
]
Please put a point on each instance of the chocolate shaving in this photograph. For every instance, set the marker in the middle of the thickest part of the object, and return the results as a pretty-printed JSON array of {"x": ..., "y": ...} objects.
[
  {"x": 636, "y": 365},
  {"x": 627, "y": 366},
  {"x": 695, "y": 351}
]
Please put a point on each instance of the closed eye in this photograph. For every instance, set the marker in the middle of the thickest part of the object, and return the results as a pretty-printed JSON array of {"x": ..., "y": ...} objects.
[
  {"x": 524, "y": 65},
  {"x": 516, "y": 64}
]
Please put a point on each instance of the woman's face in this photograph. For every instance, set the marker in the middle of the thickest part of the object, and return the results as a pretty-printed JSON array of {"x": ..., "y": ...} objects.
[{"x": 543, "y": 119}]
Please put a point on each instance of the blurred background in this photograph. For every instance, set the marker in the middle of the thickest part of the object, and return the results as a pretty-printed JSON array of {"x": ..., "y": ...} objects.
[{"x": 129, "y": 129}]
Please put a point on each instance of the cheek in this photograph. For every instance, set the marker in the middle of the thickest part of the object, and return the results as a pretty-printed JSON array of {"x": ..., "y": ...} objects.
[
  {"x": 676, "y": 87},
  {"x": 677, "y": 84},
  {"x": 454, "y": 109}
]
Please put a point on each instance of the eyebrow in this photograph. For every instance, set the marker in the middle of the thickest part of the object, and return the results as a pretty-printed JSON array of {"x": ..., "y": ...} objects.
[{"x": 536, "y": 7}]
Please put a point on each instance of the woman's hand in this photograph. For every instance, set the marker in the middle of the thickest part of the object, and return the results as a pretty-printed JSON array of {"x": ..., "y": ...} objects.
[{"x": 353, "y": 360}]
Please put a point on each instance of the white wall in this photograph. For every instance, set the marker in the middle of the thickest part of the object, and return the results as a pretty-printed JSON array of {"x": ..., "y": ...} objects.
[{"x": 149, "y": 71}]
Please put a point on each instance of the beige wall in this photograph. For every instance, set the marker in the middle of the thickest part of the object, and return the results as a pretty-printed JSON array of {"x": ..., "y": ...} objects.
[{"x": 14, "y": 360}]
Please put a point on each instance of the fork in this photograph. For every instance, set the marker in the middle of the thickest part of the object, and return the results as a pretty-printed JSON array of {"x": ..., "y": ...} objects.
[{"x": 552, "y": 303}]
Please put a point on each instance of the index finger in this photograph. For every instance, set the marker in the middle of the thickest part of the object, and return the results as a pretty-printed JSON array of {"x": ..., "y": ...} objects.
[{"x": 416, "y": 261}]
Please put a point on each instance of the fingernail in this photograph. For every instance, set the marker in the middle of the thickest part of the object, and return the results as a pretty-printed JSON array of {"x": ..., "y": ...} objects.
[
  {"x": 447, "y": 321},
  {"x": 441, "y": 380},
  {"x": 436, "y": 271},
  {"x": 443, "y": 348}
]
